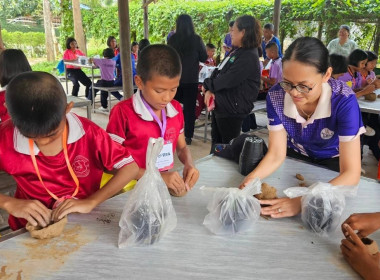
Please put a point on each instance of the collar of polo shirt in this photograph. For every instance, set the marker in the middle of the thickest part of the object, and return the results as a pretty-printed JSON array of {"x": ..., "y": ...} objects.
[
  {"x": 144, "y": 113},
  {"x": 76, "y": 131},
  {"x": 323, "y": 109},
  {"x": 3, "y": 88}
]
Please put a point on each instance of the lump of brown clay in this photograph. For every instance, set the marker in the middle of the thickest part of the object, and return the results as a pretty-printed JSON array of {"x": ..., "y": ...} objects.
[
  {"x": 50, "y": 231},
  {"x": 378, "y": 96},
  {"x": 370, "y": 96},
  {"x": 302, "y": 184},
  {"x": 267, "y": 192},
  {"x": 371, "y": 245},
  {"x": 300, "y": 177}
]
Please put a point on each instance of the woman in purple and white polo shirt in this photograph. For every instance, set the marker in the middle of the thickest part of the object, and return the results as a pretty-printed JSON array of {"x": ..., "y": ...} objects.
[{"x": 313, "y": 118}]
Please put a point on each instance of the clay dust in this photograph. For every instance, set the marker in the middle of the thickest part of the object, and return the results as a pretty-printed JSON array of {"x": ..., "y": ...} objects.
[{"x": 35, "y": 258}]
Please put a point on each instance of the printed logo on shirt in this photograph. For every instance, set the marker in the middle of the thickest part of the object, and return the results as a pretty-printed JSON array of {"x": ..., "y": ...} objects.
[
  {"x": 326, "y": 133},
  {"x": 232, "y": 59},
  {"x": 170, "y": 134},
  {"x": 81, "y": 166}
]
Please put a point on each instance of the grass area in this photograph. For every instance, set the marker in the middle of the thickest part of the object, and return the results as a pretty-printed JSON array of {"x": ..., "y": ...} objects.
[{"x": 20, "y": 27}]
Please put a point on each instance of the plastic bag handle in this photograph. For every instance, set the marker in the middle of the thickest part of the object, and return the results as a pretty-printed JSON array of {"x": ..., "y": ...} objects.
[{"x": 153, "y": 150}]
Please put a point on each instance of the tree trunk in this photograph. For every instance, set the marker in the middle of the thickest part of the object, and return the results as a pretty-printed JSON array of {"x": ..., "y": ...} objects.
[
  {"x": 78, "y": 27},
  {"x": 2, "y": 47},
  {"x": 125, "y": 47},
  {"x": 276, "y": 16},
  {"x": 320, "y": 30},
  {"x": 377, "y": 38},
  {"x": 146, "y": 20},
  {"x": 49, "y": 43}
]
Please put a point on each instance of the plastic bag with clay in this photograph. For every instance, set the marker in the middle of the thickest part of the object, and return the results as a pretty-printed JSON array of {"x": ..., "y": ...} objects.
[
  {"x": 322, "y": 205},
  {"x": 232, "y": 210},
  {"x": 148, "y": 214}
]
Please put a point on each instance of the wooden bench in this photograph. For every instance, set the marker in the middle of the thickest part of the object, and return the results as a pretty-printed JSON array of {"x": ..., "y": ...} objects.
[
  {"x": 80, "y": 102},
  {"x": 109, "y": 90}
]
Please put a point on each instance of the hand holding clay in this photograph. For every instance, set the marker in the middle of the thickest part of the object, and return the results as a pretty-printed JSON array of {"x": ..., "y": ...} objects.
[
  {"x": 190, "y": 176},
  {"x": 72, "y": 206},
  {"x": 364, "y": 223},
  {"x": 32, "y": 210},
  {"x": 52, "y": 230},
  {"x": 174, "y": 182},
  {"x": 358, "y": 256},
  {"x": 281, "y": 207}
]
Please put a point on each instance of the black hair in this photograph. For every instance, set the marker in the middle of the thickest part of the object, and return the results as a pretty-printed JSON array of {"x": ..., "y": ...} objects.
[
  {"x": 252, "y": 35},
  {"x": 269, "y": 26},
  {"x": 36, "y": 102},
  {"x": 356, "y": 56},
  {"x": 143, "y": 44},
  {"x": 371, "y": 56},
  {"x": 108, "y": 53},
  {"x": 338, "y": 63},
  {"x": 231, "y": 23},
  {"x": 183, "y": 40},
  {"x": 271, "y": 45},
  {"x": 12, "y": 63},
  {"x": 343, "y": 26},
  {"x": 68, "y": 42},
  {"x": 110, "y": 38},
  {"x": 310, "y": 51},
  {"x": 158, "y": 59},
  {"x": 134, "y": 43},
  {"x": 210, "y": 46}
]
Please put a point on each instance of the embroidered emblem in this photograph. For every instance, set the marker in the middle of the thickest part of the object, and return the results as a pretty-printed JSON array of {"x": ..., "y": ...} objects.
[
  {"x": 326, "y": 133},
  {"x": 81, "y": 166},
  {"x": 232, "y": 59}
]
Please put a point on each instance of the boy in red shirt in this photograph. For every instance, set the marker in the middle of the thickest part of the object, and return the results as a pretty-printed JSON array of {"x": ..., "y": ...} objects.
[
  {"x": 56, "y": 157},
  {"x": 152, "y": 112}
]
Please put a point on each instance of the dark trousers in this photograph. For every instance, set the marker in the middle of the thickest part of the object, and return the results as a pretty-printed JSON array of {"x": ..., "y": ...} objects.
[
  {"x": 104, "y": 94},
  {"x": 76, "y": 76},
  {"x": 329, "y": 163},
  {"x": 249, "y": 123},
  {"x": 223, "y": 130},
  {"x": 187, "y": 95}
]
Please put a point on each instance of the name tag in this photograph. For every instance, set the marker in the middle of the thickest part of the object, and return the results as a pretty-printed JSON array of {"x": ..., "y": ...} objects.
[{"x": 165, "y": 159}]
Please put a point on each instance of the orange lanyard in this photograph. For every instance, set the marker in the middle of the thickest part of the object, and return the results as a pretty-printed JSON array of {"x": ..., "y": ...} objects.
[
  {"x": 64, "y": 144},
  {"x": 353, "y": 77}
]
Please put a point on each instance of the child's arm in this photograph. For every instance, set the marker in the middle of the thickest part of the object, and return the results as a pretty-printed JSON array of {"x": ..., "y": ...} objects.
[
  {"x": 31, "y": 210},
  {"x": 190, "y": 173},
  {"x": 364, "y": 223},
  {"x": 117, "y": 182},
  {"x": 358, "y": 256},
  {"x": 364, "y": 91}
]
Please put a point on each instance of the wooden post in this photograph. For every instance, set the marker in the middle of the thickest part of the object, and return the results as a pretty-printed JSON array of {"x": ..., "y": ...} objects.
[
  {"x": 49, "y": 42},
  {"x": 377, "y": 39},
  {"x": 320, "y": 29},
  {"x": 146, "y": 20},
  {"x": 125, "y": 48},
  {"x": 78, "y": 27},
  {"x": 276, "y": 16}
]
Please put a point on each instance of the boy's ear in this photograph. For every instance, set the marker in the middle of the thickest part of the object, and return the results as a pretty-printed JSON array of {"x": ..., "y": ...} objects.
[
  {"x": 139, "y": 82},
  {"x": 69, "y": 107}
]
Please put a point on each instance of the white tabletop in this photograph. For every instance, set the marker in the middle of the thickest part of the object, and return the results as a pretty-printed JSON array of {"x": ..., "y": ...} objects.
[
  {"x": 77, "y": 64},
  {"x": 370, "y": 106},
  {"x": 274, "y": 249}
]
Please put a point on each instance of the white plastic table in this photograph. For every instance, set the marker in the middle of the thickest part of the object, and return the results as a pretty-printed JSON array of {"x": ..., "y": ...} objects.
[
  {"x": 367, "y": 106},
  {"x": 273, "y": 249}
]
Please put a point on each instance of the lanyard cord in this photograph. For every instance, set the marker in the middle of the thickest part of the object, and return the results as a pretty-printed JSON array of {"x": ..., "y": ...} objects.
[
  {"x": 162, "y": 124},
  {"x": 72, "y": 173}
]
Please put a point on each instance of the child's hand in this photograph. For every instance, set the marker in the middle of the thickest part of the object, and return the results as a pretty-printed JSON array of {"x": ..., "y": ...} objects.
[
  {"x": 71, "y": 206},
  {"x": 174, "y": 182},
  {"x": 358, "y": 256},
  {"x": 190, "y": 176},
  {"x": 377, "y": 83},
  {"x": 208, "y": 96},
  {"x": 32, "y": 210},
  {"x": 364, "y": 223}
]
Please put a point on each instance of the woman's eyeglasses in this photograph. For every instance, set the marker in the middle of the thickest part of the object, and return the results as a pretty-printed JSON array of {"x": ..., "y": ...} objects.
[{"x": 300, "y": 88}]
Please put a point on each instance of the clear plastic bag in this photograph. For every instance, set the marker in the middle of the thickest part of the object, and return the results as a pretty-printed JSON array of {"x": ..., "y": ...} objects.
[
  {"x": 233, "y": 210},
  {"x": 322, "y": 205},
  {"x": 148, "y": 214}
]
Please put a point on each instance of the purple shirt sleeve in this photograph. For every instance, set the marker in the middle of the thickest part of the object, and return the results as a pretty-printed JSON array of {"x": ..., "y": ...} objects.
[
  {"x": 107, "y": 68},
  {"x": 273, "y": 118},
  {"x": 276, "y": 70}
]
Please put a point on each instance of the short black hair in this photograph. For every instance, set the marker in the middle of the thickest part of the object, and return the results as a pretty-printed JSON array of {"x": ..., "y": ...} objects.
[
  {"x": 110, "y": 38},
  {"x": 271, "y": 45},
  {"x": 252, "y": 34},
  {"x": 310, "y": 51},
  {"x": 12, "y": 63},
  {"x": 338, "y": 63},
  {"x": 143, "y": 44},
  {"x": 269, "y": 26},
  {"x": 231, "y": 23},
  {"x": 210, "y": 46},
  {"x": 68, "y": 42},
  {"x": 356, "y": 56},
  {"x": 108, "y": 53},
  {"x": 343, "y": 26},
  {"x": 158, "y": 59},
  {"x": 371, "y": 56},
  {"x": 36, "y": 102}
]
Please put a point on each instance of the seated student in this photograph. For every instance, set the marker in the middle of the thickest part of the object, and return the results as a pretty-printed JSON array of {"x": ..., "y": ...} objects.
[
  {"x": 353, "y": 249},
  {"x": 268, "y": 37},
  {"x": 312, "y": 118},
  {"x": 275, "y": 71},
  {"x": 107, "y": 70},
  {"x": 12, "y": 63},
  {"x": 368, "y": 75},
  {"x": 339, "y": 65},
  {"x": 152, "y": 112},
  {"x": 356, "y": 61},
  {"x": 119, "y": 79},
  {"x": 62, "y": 155},
  {"x": 112, "y": 43},
  {"x": 210, "y": 49}
]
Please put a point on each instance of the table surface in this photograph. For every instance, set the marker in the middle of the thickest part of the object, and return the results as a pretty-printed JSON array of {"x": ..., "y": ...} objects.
[
  {"x": 77, "y": 64},
  {"x": 370, "y": 106},
  {"x": 273, "y": 249}
]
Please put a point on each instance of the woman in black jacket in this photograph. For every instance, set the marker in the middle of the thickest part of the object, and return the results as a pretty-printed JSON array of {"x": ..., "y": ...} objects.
[
  {"x": 192, "y": 50},
  {"x": 234, "y": 85}
]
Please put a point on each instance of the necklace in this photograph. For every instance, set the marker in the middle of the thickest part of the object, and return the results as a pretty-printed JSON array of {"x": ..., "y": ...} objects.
[{"x": 307, "y": 115}]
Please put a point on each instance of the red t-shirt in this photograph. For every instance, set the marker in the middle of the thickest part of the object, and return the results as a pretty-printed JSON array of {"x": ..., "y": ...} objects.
[
  {"x": 90, "y": 151},
  {"x": 132, "y": 125},
  {"x": 3, "y": 110},
  {"x": 72, "y": 55}
]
